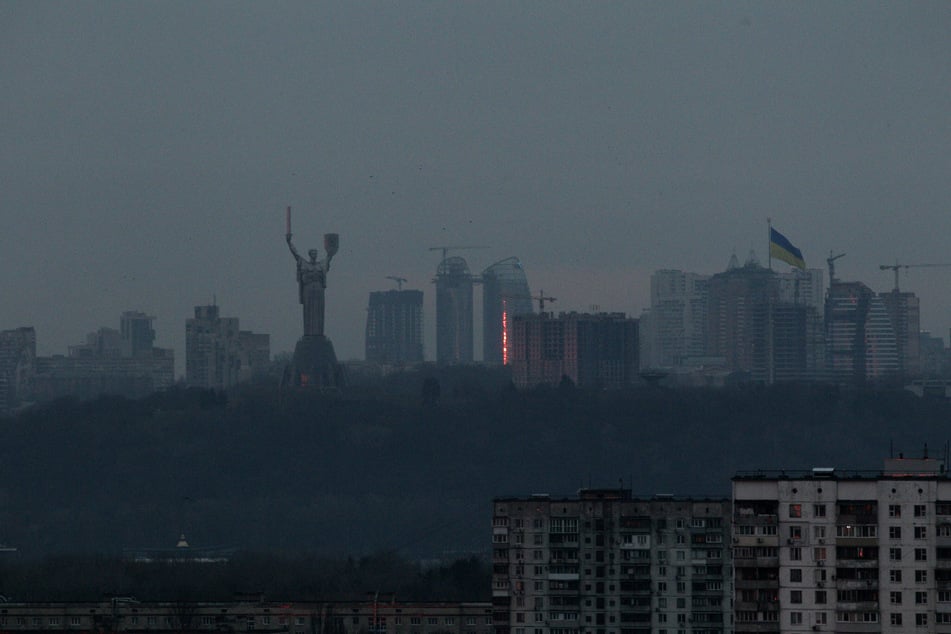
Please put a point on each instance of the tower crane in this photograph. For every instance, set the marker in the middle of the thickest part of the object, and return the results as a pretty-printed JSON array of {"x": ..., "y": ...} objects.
[
  {"x": 831, "y": 262},
  {"x": 894, "y": 267},
  {"x": 541, "y": 298},
  {"x": 445, "y": 249},
  {"x": 399, "y": 281}
]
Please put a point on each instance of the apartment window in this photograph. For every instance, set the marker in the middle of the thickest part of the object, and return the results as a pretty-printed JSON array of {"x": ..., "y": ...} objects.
[
  {"x": 662, "y": 602},
  {"x": 820, "y": 597},
  {"x": 896, "y": 618},
  {"x": 662, "y": 586},
  {"x": 894, "y": 576},
  {"x": 894, "y": 554},
  {"x": 819, "y": 510},
  {"x": 795, "y": 596},
  {"x": 921, "y": 510},
  {"x": 432, "y": 620},
  {"x": 921, "y": 532},
  {"x": 894, "y": 532},
  {"x": 894, "y": 598},
  {"x": 75, "y": 620},
  {"x": 795, "y": 532},
  {"x": 795, "y": 618},
  {"x": 921, "y": 576},
  {"x": 894, "y": 510},
  {"x": 921, "y": 619},
  {"x": 795, "y": 510},
  {"x": 150, "y": 620},
  {"x": 301, "y": 620},
  {"x": 681, "y": 587},
  {"x": 820, "y": 618},
  {"x": 819, "y": 553},
  {"x": 54, "y": 621},
  {"x": 819, "y": 532},
  {"x": 921, "y": 554},
  {"x": 795, "y": 575},
  {"x": 795, "y": 554},
  {"x": 921, "y": 598}
]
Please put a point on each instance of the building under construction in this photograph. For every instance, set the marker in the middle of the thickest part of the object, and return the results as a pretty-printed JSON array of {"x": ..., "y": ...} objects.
[
  {"x": 453, "y": 311},
  {"x": 394, "y": 333},
  {"x": 505, "y": 293}
]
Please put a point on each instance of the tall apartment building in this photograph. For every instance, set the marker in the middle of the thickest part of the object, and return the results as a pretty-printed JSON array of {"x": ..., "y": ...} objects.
[
  {"x": 673, "y": 329},
  {"x": 843, "y": 552},
  {"x": 505, "y": 293},
  {"x": 605, "y": 562},
  {"x": 590, "y": 349},
  {"x": 394, "y": 332},
  {"x": 218, "y": 354},
  {"x": 453, "y": 311},
  {"x": 904, "y": 312},
  {"x": 859, "y": 335},
  {"x": 17, "y": 367}
]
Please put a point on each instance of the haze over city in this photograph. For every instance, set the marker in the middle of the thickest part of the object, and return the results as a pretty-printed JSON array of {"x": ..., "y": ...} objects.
[{"x": 150, "y": 150}]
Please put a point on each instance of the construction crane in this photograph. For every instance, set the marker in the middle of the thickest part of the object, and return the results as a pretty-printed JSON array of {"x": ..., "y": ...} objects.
[
  {"x": 541, "y": 298},
  {"x": 831, "y": 262},
  {"x": 894, "y": 267},
  {"x": 445, "y": 250},
  {"x": 399, "y": 281}
]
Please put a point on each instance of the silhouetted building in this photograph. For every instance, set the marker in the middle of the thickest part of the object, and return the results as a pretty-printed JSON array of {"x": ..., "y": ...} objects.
[
  {"x": 505, "y": 293},
  {"x": 597, "y": 350},
  {"x": 859, "y": 335},
  {"x": 17, "y": 367},
  {"x": 764, "y": 324},
  {"x": 137, "y": 335},
  {"x": 394, "y": 331},
  {"x": 121, "y": 362},
  {"x": 905, "y": 315},
  {"x": 605, "y": 561},
  {"x": 453, "y": 311},
  {"x": 673, "y": 329},
  {"x": 219, "y": 355}
]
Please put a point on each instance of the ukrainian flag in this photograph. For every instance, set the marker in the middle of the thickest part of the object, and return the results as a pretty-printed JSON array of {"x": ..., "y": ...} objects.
[{"x": 782, "y": 249}]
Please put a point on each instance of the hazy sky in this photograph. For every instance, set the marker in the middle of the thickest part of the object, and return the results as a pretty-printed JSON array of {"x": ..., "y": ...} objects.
[{"x": 149, "y": 150}]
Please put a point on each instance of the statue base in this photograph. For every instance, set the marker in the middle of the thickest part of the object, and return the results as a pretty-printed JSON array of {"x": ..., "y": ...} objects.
[{"x": 315, "y": 364}]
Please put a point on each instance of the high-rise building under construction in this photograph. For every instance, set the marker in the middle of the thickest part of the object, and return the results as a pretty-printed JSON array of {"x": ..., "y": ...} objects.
[
  {"x": 505, "y": 293},
  {"x": 453, "y": 311},
  {"x": 394, "y": 333}
]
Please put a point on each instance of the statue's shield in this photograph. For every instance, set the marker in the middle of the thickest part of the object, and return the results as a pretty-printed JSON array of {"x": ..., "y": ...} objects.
[{"x": 331, "y": 243}]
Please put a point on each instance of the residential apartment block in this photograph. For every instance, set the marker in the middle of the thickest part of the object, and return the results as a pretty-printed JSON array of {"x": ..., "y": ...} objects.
[
  {"x": 218, "y": 354},
  {"x": 605, "y": 562},
  {"x": 846, "y": 552}
]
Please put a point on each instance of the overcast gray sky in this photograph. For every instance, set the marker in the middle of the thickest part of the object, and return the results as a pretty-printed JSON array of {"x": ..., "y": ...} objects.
[{"x": 149, "y": 150}]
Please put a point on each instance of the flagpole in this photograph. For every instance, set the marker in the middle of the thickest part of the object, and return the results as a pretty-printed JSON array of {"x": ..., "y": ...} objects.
[{"x": 769, "y": 241}]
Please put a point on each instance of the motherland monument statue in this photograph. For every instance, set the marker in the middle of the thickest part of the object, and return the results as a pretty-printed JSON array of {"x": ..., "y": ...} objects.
[{"x": 315, "y": 363}]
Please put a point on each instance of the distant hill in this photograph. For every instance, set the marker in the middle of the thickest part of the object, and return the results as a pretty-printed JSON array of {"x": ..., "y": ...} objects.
[{"x": 407, "y": 464}]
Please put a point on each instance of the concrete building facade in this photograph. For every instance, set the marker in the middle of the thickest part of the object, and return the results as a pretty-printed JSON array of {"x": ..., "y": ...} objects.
[
  {"x": 17, "y": 367},
  {"x": 843, "y": 552},
  {"x": 605, "y": 562},
  {"x": 454, "y": 337},
  {"x": 394, "y": 331},
  {"x": 218, "y": 354},
  {"x": 589, "y": 349},
  {"x": 505, "y": 294}
]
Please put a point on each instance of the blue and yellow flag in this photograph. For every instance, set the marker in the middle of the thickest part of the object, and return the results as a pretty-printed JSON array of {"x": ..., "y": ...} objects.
[{"x": 782, "y": 249}]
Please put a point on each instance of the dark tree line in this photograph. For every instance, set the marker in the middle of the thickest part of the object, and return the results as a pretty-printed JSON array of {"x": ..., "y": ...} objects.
[
  {"x": 408, "y": 463},
  {"x": 275, "y": 577}
]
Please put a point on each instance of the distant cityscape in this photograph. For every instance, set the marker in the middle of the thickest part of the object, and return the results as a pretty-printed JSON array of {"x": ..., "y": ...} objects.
[{"x": 749, "y": 323}]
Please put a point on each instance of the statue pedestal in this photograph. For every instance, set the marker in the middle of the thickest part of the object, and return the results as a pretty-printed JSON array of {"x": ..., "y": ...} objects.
[{"x": 315, "y": 364}]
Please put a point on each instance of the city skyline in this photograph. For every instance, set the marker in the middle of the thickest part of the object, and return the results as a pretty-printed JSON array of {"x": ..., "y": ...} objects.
[{"x": 151, "y": 149}]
